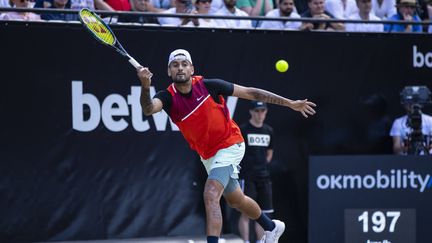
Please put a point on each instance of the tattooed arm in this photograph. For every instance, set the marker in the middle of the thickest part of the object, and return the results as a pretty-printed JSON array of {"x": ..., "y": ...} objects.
[
  {"x": 148, "y": 105},
  {"x": 249, "y": 93}
]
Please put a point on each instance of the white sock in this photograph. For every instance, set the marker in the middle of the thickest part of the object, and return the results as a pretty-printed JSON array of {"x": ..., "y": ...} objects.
[{"x": 259, "y": 241}]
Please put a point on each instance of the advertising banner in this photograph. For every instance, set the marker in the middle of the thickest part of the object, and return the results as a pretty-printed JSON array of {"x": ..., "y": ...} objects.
[
  {"x": 369, "y": 199},
  {"x": 80, "y": 161}
]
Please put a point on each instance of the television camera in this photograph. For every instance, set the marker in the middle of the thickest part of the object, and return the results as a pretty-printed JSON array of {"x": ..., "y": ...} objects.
[{"x": 415, "y": 98}]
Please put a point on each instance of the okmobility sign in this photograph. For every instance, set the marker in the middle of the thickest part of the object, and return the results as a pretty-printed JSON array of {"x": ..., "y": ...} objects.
[
  {"x": 368, "y": 198},
  {"x": 392, "y": 179}
]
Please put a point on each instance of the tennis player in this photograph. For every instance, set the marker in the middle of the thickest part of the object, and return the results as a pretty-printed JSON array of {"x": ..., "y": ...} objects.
[{"x": 196, "y": 105}]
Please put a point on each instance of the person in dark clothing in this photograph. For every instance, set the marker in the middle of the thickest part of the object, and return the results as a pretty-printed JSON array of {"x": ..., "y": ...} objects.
[{"x": 254, "y": 175}]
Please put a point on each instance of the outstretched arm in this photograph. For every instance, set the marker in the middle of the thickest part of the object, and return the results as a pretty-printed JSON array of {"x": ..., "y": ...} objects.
[
  {"x": 148, "y": 105},
  {"x": 249, "y": 93}
]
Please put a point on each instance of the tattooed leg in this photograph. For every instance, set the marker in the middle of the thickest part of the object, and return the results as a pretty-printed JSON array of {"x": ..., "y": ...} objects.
[{"x": 212, "y": 193}]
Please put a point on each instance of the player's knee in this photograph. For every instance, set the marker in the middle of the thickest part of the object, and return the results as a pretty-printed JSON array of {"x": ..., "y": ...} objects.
[
  {"x": 236, "y": 202},
  {"x": 211, "y": 194}
]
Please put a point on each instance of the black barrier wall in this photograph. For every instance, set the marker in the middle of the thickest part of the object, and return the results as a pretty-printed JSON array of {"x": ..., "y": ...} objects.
[{"x": 79, "y": 160}]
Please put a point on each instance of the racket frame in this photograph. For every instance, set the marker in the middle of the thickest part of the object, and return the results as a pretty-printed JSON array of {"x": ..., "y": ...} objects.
[{"x": 116, "y": 44}]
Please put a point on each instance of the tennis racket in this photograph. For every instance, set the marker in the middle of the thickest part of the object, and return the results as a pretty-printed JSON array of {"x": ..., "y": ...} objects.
[{"x": 103, "y": 33}]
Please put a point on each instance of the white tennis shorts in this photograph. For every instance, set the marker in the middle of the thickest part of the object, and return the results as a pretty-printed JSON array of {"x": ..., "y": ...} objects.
[{"x": 230, "y": 156}]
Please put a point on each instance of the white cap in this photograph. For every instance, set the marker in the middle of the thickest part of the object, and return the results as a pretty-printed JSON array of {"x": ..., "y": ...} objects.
[{"x": 179, "y": 54}]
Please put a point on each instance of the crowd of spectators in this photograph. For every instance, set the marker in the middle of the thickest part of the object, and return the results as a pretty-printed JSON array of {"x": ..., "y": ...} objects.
[{"x": 365, "y": 10}]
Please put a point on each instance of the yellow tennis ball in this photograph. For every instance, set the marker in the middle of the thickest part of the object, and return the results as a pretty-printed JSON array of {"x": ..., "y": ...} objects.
[{"x": 282, "y": 66}]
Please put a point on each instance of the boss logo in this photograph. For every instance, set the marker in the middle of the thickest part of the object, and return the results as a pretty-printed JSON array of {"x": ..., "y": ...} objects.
[
  {"x": 258, "y": 140},
  {"x": 420, "y": 59}
]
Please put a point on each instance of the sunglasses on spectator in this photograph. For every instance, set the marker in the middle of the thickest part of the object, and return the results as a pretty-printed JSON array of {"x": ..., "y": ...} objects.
[{"x": 204, "y": 1}]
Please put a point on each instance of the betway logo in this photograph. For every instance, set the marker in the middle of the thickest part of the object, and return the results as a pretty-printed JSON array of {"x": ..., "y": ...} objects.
[
  {"x": 420, "y": 59},
  {"x": 397, "y": 179},
  {"x": 88, "y": 111}
]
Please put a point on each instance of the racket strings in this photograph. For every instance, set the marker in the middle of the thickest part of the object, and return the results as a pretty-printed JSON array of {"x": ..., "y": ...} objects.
[{"x": 98, "y": 28}]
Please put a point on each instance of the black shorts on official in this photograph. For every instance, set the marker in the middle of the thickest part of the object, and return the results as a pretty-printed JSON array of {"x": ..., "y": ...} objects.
[{"x": 261, "y": 191}]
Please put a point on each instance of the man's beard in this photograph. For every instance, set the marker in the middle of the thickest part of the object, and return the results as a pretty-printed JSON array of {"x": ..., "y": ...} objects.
[
  {"x": 180, "y": 80},
  {"x": 286, "y": 13}
]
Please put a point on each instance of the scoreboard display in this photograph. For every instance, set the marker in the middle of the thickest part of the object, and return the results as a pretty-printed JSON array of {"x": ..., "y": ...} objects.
[
  {"x": 370, "y": 199},
  {"x": 380, "y": 225}
]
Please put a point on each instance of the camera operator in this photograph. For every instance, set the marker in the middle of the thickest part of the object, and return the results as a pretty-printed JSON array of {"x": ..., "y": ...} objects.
[{"x": 411, "y": 132}]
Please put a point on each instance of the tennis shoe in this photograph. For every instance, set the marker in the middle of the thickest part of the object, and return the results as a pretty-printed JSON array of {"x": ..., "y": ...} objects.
[{"x": 273, "y": 236}]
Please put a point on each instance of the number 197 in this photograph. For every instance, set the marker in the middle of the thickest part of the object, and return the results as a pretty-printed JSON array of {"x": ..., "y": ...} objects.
[{"x": 379, "y": 220}]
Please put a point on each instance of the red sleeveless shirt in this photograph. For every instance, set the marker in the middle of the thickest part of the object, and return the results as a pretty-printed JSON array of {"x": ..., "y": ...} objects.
[{"x": 206, "y": 125}]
